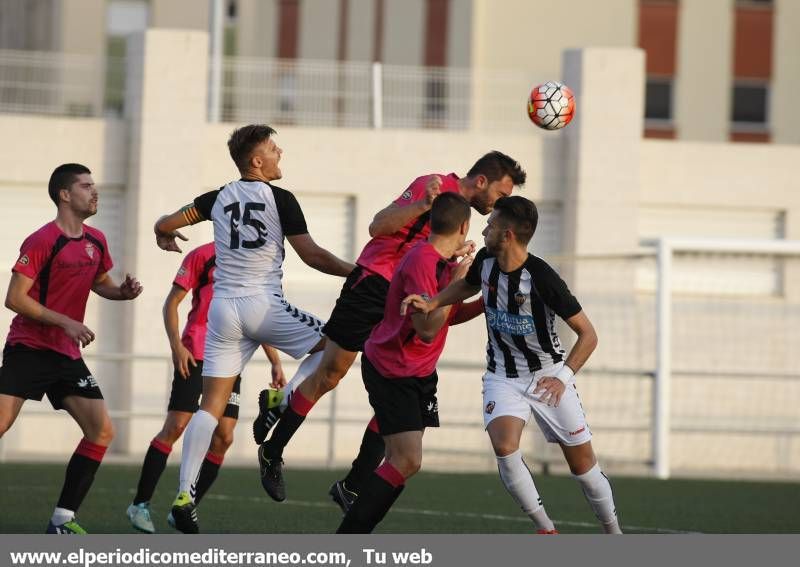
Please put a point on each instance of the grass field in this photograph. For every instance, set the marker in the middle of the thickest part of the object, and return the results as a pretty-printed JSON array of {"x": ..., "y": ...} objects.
[{"x": 432, "y": 503}]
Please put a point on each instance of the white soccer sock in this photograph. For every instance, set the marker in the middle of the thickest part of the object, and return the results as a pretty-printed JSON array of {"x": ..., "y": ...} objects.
[
  {"x": 196, "y": 441},
  {"x": 519, "y": 483},
  {"x": 597, "y": 490},
  {"x": 62, "y": 516},
  {"x": 306, "y": 368}
]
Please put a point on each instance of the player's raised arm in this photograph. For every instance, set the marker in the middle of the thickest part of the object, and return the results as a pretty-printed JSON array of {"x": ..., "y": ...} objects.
[
  {"x": 396, "y": 216},
  {"x": 455, "y": 292},
  {"x": 314, "y": 255},
  {"x": 166, "y": 229},
  {"x": 468, "y": 311}
]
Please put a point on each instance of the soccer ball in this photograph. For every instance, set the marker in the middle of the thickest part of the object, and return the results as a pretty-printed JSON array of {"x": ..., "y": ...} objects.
[{"x": 551, "y": 105}]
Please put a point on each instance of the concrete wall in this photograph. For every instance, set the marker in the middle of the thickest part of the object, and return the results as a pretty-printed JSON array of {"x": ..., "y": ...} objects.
[{"x": 598, "y": 171}]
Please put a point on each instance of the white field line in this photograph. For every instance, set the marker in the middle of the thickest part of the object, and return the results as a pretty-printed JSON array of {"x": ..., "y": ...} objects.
[{"x": 410, "y": 511}]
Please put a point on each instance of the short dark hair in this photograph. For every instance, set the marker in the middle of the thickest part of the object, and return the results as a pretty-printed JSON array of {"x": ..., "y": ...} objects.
[
  {"x": 519, "y": 214},
  {"x": 244, "y": 139},
  {"x": 63, "y": 177},
  {"x": 448, "y": 213},
  {"x": 496, "y": 165}
]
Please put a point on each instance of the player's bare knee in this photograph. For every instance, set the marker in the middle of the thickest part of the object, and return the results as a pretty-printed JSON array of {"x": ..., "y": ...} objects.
[
  {"x": 407, "y": 465},
  {"x": 104, "y": 434},
  {"x": 503, "y": 448},
  {"x": 580, "y": 461},
  {"x": 172, "y": 432},
  {"x": 5, "y": 425},
  {"x": 221, "y": 442}
]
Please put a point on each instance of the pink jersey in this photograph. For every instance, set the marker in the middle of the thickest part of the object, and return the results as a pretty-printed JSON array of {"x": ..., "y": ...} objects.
[
  {"x": 393, "y": 347},
  {"x": 63, "y": 270},
  {"x": 196, "y": 274},
  {"x": 382, "y": 254}
]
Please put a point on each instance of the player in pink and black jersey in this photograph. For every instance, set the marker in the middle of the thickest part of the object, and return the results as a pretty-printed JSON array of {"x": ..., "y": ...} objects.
[
  {"x": 399, "y": 361},
  {"x": 394, "y": 230},
  {"x": 57, "y": 267}
]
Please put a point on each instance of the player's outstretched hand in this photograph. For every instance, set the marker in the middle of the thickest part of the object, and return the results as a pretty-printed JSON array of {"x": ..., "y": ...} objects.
[
  {"x": 467, "y": 250},
  {"x": 130, "y": 288},
  {"x": 432, "y": 188},
  {"x": 415, "y": 302},
  {"x": 167, "y": 241},
  {"x": 551, "y": 389},
  {"x": 78, "y": 332},
  {"x": 181, "y": 359}
]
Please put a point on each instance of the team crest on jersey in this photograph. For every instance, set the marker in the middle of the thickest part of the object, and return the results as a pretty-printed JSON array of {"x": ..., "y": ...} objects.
[
  {"x": 490, "y": 407},
  {"x": 90, "y": 250},
  {"x": 519, "y": 297},
  {"x": 24, "y": 260},
  {"x": 406, "y": 194}
]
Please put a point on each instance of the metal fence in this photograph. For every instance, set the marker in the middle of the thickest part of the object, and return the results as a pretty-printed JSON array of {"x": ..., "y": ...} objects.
[
  {"x": 360, "y": 95},
  {"x": 682, "y": 382},
  {"x": 282, "y": 92},
  {"x": 55, "y": 83}
]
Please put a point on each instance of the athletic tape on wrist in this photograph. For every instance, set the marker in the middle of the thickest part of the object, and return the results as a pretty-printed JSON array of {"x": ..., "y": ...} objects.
[{"x": 565, "y": 374}]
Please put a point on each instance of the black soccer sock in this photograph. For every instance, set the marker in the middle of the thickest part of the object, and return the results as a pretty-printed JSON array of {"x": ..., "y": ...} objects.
[
  {"x": 155, "y": 461},
  {"x": 377, "y": 497},
  {"x": 80, "y": 474},
  {"x": 208, "y": 474},
  {"x": 291, "y": 420},
  {"x": 370, "y": 455}
]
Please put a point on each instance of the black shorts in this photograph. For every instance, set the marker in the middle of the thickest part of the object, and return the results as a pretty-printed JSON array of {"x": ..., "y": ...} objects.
[
  {"x": 31, "y": 373},
  {"x": 185, "y": 394},
  {"x": 401, "y": 404},
  {"x": 358, "y": 309}
]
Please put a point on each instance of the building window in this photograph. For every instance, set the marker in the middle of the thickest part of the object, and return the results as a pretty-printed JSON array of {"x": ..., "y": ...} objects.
[
  {"x": 750, "y": 103},
  {"x": 658, "y": 99}
]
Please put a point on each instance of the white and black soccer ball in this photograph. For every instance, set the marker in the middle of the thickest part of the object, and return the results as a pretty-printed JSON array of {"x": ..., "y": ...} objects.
[{"x": 551, "y": 105}]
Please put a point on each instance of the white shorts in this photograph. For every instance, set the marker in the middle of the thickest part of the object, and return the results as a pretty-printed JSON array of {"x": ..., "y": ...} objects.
[
  {"x": 237, "y": 326},
  {"x": 565, "y": 424}
]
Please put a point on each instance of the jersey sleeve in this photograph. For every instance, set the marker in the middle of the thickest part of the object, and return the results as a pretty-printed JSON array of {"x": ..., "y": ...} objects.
[
  {"x": 33, "y": 255},
  {"x": 106, "y": 263},
  {"x": 414, "y": 193},
  {"x": 189, "y": 272},
  {"x": 553, "y": 290},
  {"x": 473, "y": 276},
  {"x": 205, "y": 202},
  {"x": 293, "y": 222}
]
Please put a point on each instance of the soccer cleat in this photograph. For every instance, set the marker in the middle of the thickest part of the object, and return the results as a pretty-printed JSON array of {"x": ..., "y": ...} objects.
[
  {"x": 139, "y": 515},
  {"x": 272, "y": 476},
  {"x": 184, "y": 513},
  {"x": 67, "y": 528},
  {"x": 547, "y": 532},
  {"x": 269, "y": 412},
  {"x": 342, "y": 496}
]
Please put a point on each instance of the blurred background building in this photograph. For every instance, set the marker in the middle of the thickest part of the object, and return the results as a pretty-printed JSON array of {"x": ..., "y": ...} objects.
[{"x": 681, "y": 245}]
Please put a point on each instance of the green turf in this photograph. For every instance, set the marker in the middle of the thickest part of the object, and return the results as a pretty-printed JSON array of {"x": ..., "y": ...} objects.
[{"x": 432, "y": 503}]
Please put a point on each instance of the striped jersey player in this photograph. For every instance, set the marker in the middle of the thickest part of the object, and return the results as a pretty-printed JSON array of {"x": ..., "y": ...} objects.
[{"x": 528, "y": 371}]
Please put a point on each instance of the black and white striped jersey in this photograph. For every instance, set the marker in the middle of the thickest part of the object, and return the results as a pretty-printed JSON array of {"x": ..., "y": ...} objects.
[
  {"x": 521, "y": 308},
  {"x": 251, "y": 219}
]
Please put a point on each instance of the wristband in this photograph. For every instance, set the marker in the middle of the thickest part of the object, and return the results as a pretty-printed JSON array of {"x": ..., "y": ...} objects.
[{"x": 565, "y": 374}]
